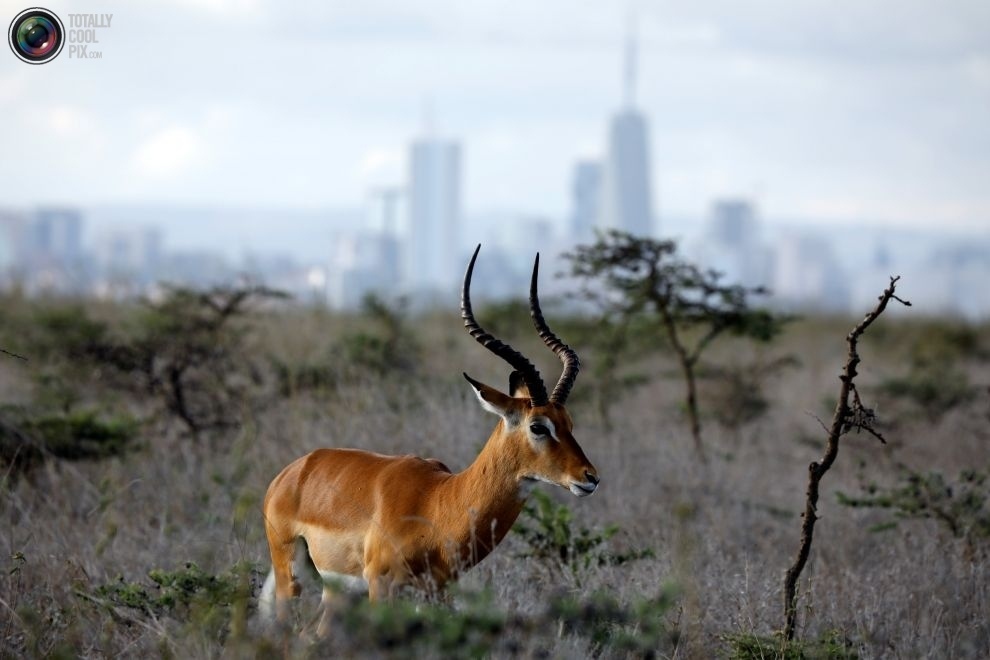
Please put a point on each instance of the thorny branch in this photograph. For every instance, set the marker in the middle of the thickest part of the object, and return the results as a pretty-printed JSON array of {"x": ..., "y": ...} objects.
[
  {"x": 847, "y": 416},
  {"x": 13, "y": 355}
]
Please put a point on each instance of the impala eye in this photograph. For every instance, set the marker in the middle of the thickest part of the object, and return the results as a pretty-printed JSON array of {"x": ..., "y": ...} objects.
[{"x": 539, "y": 429}]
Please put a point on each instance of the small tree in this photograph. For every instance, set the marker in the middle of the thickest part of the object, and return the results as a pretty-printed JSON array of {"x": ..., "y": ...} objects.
[
  {"x": 633, "y": 277},
  {"x": 188, "y": 351}
]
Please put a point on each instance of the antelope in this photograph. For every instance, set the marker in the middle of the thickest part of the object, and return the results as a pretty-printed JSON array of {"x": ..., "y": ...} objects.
[{"x": 381, "y": 522}]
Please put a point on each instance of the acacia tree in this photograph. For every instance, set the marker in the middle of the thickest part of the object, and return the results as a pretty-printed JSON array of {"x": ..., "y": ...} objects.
[
  {"x": 188, "y": 351},
  {"x": 635, "y": 278}
]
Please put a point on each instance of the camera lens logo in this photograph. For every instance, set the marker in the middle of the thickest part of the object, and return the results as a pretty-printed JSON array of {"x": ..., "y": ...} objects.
[{"x": 36, "y": 35}]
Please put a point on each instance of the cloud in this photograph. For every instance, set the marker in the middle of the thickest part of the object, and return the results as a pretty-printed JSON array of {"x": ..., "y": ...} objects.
[{"x": 169, "y": 153}]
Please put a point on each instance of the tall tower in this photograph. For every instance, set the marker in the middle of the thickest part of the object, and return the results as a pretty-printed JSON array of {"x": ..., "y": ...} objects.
[
  {"x": 627, "y": 201},
  {"x": 434, "y": 213}
]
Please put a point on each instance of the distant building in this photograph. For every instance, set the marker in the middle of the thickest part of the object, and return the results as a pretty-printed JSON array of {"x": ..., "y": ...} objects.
[
  {"x": 14, "y": 225},
  {"x": 521, "y": 236},
  {"x": 433, "y": 259},
  {"x": 586, "y": 199},
  {"x": 731, "y": 244},
  {"x": 627, "y": 201},
  {"x": 56, "y": 235},
  {"x": 130, "y": 254},
  {"x": 733, "y": 222},
  {"x": 196, "y": 268},
  {"x": 49, "y": 257},
  {"x": 807, "y": 276},
  {"x": 361, "y": 263},
  {"x": 960, "y": 273},
  {"x": 386, "y": 206}
]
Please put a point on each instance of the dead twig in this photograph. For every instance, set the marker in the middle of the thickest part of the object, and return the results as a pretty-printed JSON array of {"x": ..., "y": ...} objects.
[
  {"x": 848, "y": 415},
  {"x": 13, "y": 355}
]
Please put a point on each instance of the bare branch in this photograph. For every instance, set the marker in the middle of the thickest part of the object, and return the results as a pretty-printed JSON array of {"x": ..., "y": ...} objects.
[
  {"x": 860, "y": 417},
  {"x": 845, "y": 417},
  {"x": 818, "y": 419},
  {"x": 13, "y": 355}
]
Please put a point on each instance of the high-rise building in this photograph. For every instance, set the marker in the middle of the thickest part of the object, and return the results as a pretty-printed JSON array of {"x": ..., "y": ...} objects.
[
  {"x": 733, "y": 222},
  {"x": 586, "y": 196},
  {"x": 731, "y": 244},
  {"x": 807, "y": 275},
  {"x": 386, "y": 203},
  {"x": 14, "y": 239},
  {"x": 434, "y": 214},
  {"x": 130, "y": 254},
  {"x": 57, "y": 234},
  {"x": 627, "y": 202}
]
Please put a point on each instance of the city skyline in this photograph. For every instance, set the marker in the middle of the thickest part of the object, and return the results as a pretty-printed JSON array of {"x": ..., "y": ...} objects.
[
  {"x": 830, "y": 113},
  {"x": 55, "y": 251}
]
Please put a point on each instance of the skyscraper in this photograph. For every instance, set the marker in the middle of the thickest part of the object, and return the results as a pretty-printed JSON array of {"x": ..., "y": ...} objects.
[
  {"x": 627, "y": 202},
  {"x": 731, "y": 244},
  {"x": 57, "y": 234},
  {"x": 586, "y": 199},
  {"x": 434, "y": 214},
  {"x": 733, "y": 222}
]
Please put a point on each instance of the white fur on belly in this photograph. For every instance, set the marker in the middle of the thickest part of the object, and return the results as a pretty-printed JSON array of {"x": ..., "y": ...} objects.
[{"x": 349, "y": 583}]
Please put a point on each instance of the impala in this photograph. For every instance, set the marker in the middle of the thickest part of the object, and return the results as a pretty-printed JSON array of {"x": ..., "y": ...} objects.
[{"x": 381, "y": 522}]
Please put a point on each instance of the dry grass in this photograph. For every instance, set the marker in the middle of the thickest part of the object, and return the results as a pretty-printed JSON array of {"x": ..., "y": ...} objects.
[{"x": 723, "y": 532}]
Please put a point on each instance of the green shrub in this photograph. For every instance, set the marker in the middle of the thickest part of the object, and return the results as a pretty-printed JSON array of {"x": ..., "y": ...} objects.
[
  {"x": 477, "y": 628},
  {"x": 26, "y": 438},
  {"x": 736, "y": 390},
  {"x": 304, "y": 377},
  {"x": 935, "y": 383},
  {"x": 960, "y": 506},
  {"x": 189, "y": 595},
  {"x": 408, "y": 628},
  {"x": 934, "y": 388},
  {"x": 639, "y": 628},
  {"x": 390, "y": 347},
  {"x": 832, "y": 645},
  {"x": 550, "y": 534}
]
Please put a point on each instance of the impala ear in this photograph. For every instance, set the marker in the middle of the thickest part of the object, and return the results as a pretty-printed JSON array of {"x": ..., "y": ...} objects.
[
  {"x": 492, "y": 400},
  {"x": 518, "y": 389}
]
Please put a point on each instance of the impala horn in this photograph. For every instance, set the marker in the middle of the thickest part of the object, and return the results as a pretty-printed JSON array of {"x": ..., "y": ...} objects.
[
  {"x": 530, "y": 375},
  {"x": 566, "y": 354}
]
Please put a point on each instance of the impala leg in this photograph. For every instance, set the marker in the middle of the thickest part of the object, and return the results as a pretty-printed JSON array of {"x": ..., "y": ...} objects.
[
  {"x": 375, "y": 590},
  {"x": 286, "y": 585},
  {"x": 381, "y": 586},
  {"x": 326, "y": 603}
]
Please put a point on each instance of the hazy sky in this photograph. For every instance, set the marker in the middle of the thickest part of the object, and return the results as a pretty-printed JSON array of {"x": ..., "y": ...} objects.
[{"x": 876, "y": 111}]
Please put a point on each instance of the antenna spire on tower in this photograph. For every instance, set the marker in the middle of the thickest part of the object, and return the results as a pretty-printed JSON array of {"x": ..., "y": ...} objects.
[{"x": 630, "y": 63}]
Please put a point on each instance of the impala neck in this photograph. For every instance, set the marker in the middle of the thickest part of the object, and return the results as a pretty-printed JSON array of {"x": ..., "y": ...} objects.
[{"x": 491, "y": 492}]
